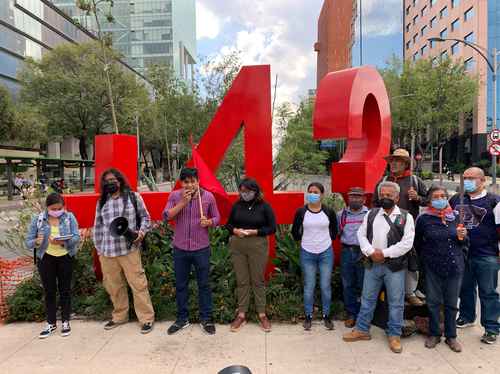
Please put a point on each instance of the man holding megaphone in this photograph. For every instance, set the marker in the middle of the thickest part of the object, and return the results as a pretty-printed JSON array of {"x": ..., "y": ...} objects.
[{"x": 121, "y": 221}]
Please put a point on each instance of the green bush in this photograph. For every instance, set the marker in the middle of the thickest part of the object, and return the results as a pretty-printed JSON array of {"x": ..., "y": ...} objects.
[{"x": 90, "y": 300}]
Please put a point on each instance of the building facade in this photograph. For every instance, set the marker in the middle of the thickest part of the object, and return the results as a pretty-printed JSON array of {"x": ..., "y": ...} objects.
[
  {"x": 475, "y": 21},
  {"x": 336, "y": 36},
  {"x": 148, "y": 32},
  {"x": 31, "y": 28}
]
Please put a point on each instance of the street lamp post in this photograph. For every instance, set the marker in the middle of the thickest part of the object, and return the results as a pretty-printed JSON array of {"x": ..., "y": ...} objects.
[{"x": 494, "y": 68}]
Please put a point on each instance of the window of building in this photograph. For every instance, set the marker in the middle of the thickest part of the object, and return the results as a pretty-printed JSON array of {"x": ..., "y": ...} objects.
[
  {"x": 408, "y": 44},
  {"x": 408, "y": 27},
  {"x": 415, "y": 56},
  {"x": 415, "y": 20},
  {"x": 469, "y": 38},
  {"x": 443, "y": 12},
  {"x": 444, "y": 55},
  {"x": 423, "y": 31},
  {"x": 414, "y": 2},
  {"x": 435, "y": 61},
  {"x": 431, "y": 44},
  {"x": 455, "y": 3},
  {"x": 444, "y": 33},
  {"x": 470, "y": 64},
  {"x": 455, "y": 25},
  {"x": 433, "y": 2},
  {"x": 455, "y": 48},
  {"x": 424, "y": 11},
  {"x": 469, "y": 14},
  {"x": 433, "y": 22},
  {"x": 415, "y": 38},
  {"x": 408, "y": 10},
  {"x": 423, "y": 50}
]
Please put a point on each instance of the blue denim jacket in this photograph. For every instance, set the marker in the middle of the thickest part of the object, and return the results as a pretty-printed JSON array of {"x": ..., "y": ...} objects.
[{"x": 67, "y": 226}]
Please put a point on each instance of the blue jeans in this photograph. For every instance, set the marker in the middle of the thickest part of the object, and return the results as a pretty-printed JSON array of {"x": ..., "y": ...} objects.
[
  {"x": 442, "y": 291},
  {"x": 481, "y": 272},
  {"x": 375, "y": 277},
  {"x": 183, "y": 261},
  {"x": 352, "y": 272},
  {"x": 310, "y": 263}
]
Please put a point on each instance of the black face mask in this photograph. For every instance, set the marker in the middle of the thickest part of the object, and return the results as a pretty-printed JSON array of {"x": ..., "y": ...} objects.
[
  {"x": 387, "y": 203},
  {"x": 111, "y": 187},
  {"x": 355, "y": 205}
]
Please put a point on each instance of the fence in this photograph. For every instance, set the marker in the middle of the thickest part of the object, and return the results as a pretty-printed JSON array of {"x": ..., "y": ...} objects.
[{"x": 12, "y": 273}]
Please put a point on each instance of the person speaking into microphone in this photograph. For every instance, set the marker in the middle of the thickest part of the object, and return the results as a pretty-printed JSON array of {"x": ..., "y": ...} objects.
[{"x": 120, "y": 256}]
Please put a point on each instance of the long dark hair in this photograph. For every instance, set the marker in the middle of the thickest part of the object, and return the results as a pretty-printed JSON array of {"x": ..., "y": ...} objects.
[
  {"x": 252, "y": 185},
  {"x": 124, "y": 186}
]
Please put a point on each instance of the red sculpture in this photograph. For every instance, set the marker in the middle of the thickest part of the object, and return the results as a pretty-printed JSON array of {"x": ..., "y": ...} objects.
[{"x": 350, "y": 104}]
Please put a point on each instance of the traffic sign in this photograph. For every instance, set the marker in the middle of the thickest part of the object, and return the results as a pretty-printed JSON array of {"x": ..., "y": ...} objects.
[
  {"x": 495, "y": 149},
  {"x": 495, "y": 136}
]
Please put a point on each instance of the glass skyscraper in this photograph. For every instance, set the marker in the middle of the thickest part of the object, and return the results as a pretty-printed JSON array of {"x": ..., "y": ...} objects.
[
  {"x": 148, "y": 32},
  {"x": 30, "y": 28}
]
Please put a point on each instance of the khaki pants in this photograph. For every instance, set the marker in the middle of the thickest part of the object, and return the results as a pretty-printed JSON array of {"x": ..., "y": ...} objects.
[
  {"x": 249, "y": 257},
  {"x": 117, "y": 272}
]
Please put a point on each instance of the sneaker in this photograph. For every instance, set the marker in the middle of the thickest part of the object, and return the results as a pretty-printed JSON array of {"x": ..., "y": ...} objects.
[
  {"x": 110, "y": 325},
  {"x": 308, "y": 323},
  {"x": 177, "y": 326},
  {"x": 489, "y": 338},
  {"x": 66, "y": 329},
  {"x": 208, "y": 327},
  {"x": 147, "y": 328},
  {"x": 328, "y": 323},
  {"x": 463, "y": 323},
  {"x": 49, "y": 329}
]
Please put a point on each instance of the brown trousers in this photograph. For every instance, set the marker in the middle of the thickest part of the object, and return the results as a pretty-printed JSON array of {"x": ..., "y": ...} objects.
[
  {"x": 249, "y": 257},
  {"x": 117, "y": 272}
]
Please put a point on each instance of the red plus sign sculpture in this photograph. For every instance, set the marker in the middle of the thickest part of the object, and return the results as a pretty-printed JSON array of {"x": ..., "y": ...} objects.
[{"x": 350, "y": 104}]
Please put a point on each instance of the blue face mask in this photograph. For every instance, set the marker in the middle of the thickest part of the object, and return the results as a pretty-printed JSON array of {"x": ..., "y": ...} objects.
[
  {"x": 439, "y": 204},
  {"x": 313, "y": 198},
  {"x": 470, "y": 185}
]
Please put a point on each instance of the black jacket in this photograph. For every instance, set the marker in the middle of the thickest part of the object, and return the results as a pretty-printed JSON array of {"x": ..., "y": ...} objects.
[{"x": 298, "y": 221}]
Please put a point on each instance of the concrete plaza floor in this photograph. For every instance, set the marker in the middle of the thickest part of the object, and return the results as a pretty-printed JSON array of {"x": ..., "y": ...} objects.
[{"x": 287, "y": 349}]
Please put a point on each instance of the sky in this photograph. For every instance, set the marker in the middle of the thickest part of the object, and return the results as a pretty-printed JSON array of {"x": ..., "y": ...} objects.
[{"x": 282, "y": 33}]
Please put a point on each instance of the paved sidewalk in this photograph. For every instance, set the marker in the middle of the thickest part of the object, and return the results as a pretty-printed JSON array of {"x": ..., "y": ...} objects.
[{"x": 288, "y": 349}]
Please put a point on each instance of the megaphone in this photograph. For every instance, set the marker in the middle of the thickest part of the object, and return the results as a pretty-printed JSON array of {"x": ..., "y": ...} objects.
[{"x": 119, "y": 227}]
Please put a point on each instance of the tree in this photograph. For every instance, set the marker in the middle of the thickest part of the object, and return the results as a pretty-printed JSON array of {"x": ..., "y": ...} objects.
[
  {"x": 7, "y": 115},
  {"x": 299, "y": 153},
  {"x": 68, "y": 88},
  {"x": 428, "y": 97},
  {"x": 92, "y": 8}
]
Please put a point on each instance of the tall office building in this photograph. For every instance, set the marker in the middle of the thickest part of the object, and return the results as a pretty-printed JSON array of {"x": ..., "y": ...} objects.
[
  {"x": 148, "y": 32},
  {"x": 475, "y": 21},
  {"x": 30, "y": 28},
  {"x": 336, "y": 35}
]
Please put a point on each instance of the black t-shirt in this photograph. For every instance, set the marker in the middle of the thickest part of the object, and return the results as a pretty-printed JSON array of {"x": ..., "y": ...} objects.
[{"x": 253, "y": 215}]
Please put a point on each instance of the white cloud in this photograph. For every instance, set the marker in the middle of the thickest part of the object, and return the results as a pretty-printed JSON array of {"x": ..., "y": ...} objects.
[
  {"x": 282, "y": 33},
  {"x": 208, "y": 25}
]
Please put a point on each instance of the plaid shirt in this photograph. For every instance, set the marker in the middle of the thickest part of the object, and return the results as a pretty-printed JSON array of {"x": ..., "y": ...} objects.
[{"x": 108, "y": 245}]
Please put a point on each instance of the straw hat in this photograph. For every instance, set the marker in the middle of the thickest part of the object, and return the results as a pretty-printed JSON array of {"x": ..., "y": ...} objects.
[{"x": 400, "y": 153}]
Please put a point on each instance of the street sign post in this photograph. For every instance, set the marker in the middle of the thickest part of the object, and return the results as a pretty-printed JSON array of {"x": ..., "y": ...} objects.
[{"x": 495, "y": 136}]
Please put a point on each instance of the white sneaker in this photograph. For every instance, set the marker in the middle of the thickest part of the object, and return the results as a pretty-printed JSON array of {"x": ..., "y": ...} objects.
[
  {"x": 66, "y": 329},
  {"x": 49, "y": 329}
]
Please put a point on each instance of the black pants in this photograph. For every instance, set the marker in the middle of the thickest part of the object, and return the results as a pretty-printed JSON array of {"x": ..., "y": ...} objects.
[{"x": 56, "y": 273}]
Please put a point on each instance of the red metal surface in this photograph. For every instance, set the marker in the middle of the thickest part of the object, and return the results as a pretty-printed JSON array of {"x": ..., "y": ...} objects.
[{"x": 350, "y": 104}]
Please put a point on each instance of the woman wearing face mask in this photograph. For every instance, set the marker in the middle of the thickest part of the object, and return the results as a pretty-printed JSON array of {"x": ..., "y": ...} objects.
[
  {"x": 442, "y": 242},
  {"x": 250, "y": 223},
  {"x": 54, "y": 237},
  {"x": 315, "y": 225}
]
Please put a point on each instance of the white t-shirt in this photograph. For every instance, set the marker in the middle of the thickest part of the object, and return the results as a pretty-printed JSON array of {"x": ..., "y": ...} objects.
[{"x": 316, "y": 234}]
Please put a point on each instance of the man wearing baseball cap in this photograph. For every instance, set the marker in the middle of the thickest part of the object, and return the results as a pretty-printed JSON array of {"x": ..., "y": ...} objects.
[
  {"x": 351, "y": 269},
  {"x": 412, "y": 196}
]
